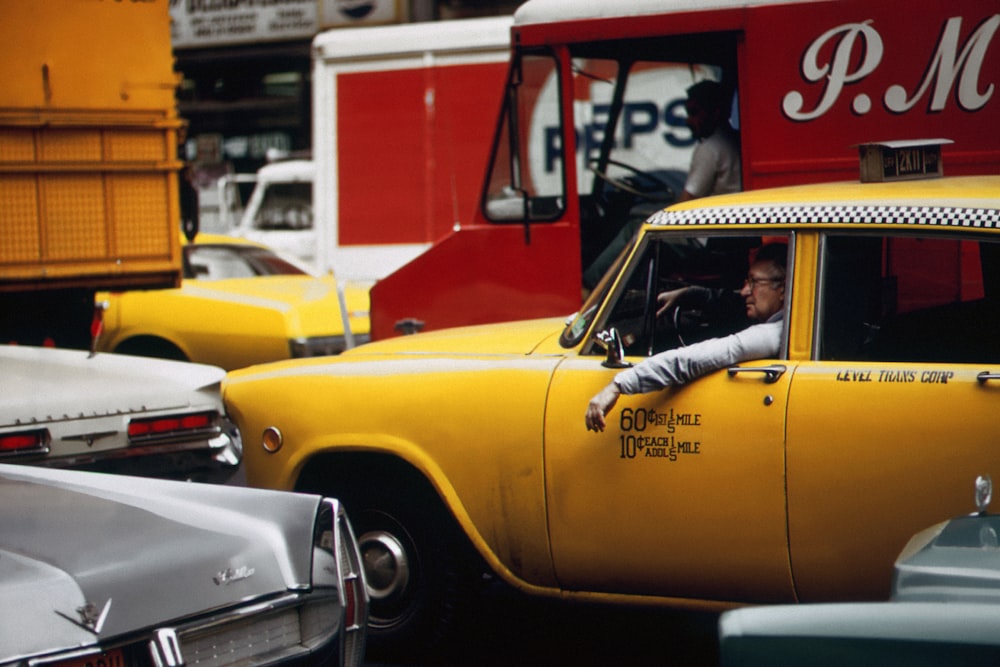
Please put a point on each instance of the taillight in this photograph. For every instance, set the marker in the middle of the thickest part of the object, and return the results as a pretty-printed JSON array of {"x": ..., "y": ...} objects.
[
  {"x": 337, "y": 563},
  {"x": 24, "y": 442},
  {"x": 355, "y": 591},
  {"x": 171, "y": 426},
  {"x": 351, "y": 605}
]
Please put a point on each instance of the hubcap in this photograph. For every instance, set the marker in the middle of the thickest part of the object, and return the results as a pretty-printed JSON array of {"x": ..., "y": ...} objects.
[{"x": 386, "y": 566}]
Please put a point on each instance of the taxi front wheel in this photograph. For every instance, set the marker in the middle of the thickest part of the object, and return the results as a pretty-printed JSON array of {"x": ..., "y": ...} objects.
[{"x": 419, "y": 572}]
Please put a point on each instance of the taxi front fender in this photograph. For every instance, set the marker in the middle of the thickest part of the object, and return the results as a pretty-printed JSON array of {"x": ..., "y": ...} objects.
[{"x": 474, "y": 436}]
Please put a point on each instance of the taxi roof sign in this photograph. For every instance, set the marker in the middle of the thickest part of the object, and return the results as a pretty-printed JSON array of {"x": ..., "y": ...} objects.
[{"x": 901, "y": 160}]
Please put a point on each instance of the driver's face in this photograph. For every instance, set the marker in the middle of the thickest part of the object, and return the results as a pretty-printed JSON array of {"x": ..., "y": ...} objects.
[
  {"x": 764, "y": 291},
  {"x": 701, "y": 120}
]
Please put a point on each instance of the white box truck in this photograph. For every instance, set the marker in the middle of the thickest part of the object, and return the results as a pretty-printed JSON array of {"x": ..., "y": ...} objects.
[{"x": 402, "y": 121}]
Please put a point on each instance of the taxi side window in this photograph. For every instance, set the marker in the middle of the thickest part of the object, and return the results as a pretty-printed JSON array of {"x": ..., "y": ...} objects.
[
  {"x": 719, "y": 264},
  {"x": 910, "y": 298}
]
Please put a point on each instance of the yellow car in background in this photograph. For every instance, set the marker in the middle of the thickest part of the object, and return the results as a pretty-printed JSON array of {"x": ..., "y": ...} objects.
[{"x": 240, "y": 303}]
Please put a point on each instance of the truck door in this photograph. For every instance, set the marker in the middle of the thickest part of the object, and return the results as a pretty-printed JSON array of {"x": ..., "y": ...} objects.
[{"x": 683, "y": 495}]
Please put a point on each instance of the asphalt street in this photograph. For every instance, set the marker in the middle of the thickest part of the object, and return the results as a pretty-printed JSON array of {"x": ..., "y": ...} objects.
[{"x": 508, "y": 629}]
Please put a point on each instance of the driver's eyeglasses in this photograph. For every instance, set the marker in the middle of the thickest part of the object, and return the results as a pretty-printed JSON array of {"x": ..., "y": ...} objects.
[{"x": 752, "y": 282}]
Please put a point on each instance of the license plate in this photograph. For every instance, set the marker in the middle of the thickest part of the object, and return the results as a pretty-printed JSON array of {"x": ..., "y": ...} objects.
[{"x": 112, "y": 658}]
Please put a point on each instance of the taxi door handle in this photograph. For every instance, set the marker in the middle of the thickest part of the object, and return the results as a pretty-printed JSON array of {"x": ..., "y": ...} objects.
[
  {"x": 986, "y": 375},
  {"x": 771, "y": 373}
]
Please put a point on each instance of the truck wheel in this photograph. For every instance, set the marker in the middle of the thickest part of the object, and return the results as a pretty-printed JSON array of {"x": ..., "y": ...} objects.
[{"x": 420, "y": 570}]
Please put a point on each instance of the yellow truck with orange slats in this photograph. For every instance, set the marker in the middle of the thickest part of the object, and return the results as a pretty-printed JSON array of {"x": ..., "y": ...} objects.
[{"x": 88, "y": 161}]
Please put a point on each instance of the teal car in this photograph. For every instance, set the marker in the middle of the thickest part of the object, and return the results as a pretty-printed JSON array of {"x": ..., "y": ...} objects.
[{"x": 944, "y": 609}]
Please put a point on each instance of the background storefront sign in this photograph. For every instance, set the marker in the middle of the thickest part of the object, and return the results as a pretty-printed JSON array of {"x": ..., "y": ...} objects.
[{"x": 208, "y": 23}]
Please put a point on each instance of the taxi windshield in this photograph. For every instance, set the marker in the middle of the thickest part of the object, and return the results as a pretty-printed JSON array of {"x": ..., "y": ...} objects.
[
  {"x": 628, "y": 298},
  {"x": 580, "y": 322}
]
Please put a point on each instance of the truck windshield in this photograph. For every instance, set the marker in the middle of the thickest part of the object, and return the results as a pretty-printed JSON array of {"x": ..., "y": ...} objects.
[
  {"x": 285, "y": 206},
  {"x": 223, "y": 261},
  {"x": 632, "y": 145}
]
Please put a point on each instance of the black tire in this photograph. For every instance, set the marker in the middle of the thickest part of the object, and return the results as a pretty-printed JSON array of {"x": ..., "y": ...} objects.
[{"x": 421, "y": 571}]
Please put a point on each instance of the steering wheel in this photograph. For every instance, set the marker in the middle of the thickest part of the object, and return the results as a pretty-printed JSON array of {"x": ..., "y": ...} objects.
[
  {"x": 678, "y": 322},
  {"x": 655, "y": 189}
]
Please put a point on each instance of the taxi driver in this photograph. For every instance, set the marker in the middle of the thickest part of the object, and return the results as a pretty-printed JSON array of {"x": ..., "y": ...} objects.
[{"x": 764, "y": 295}]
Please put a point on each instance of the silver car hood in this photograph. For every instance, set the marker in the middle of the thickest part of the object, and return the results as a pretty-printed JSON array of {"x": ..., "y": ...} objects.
[
  {"x": 39, "y": 382},
  {"x": 69, "y": 540}
]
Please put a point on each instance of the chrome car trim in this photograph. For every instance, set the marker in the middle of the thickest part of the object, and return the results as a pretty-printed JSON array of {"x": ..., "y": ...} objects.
[
  {"x": 771, "y": 373},
  {"x": 167, "y": 645},
  {"x": 389, "y": 570},
  {"x": 172, "y": 436},
  {"x": 91, "y": 619},
  {"x": 194, "y": 636},
  {"x": 89, "y": 438},
  {"x": 223, "y": 451},
  {"x": 217, "y": 446},
  {"x": 984, "y": 493},
  {"x": 231, "y": 575},
  {"x": 165, "y": 649},
  {"x": 334, "y": 535}
]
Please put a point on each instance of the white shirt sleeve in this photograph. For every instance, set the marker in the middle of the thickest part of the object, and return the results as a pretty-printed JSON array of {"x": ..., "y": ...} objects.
[
  {"x": 715, "y": 165},
  {"x": 701, "y": 174},
  {"x": 681, "y": 365}
]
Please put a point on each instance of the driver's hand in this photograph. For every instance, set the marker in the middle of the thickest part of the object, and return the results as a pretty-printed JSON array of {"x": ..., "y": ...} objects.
[
  {"x": 600, "y": 405},
  {"x": 669, "y": 300}
]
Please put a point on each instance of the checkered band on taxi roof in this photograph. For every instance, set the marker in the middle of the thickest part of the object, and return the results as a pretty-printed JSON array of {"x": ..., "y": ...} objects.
[{"x": 884, "y": 215}]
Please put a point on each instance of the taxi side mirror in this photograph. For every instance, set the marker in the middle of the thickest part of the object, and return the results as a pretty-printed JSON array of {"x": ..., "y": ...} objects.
[{"x": 611, "y": 341}]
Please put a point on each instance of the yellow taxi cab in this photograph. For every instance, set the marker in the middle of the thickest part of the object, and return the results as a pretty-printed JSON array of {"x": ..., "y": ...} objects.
[
  {"x": 239, "y": 303},
  {"x": 793, "y": 478}
]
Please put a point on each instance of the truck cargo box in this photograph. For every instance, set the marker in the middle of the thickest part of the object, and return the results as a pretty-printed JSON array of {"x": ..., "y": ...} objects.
[{"x": 88, "y": 146}]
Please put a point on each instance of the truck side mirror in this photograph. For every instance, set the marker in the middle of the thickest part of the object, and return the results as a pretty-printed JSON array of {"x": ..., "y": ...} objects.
[{"x": 511, "y": 205}]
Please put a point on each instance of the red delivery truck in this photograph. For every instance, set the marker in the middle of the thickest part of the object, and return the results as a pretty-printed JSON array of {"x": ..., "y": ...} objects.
[{"x": 592, "y": 131}]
